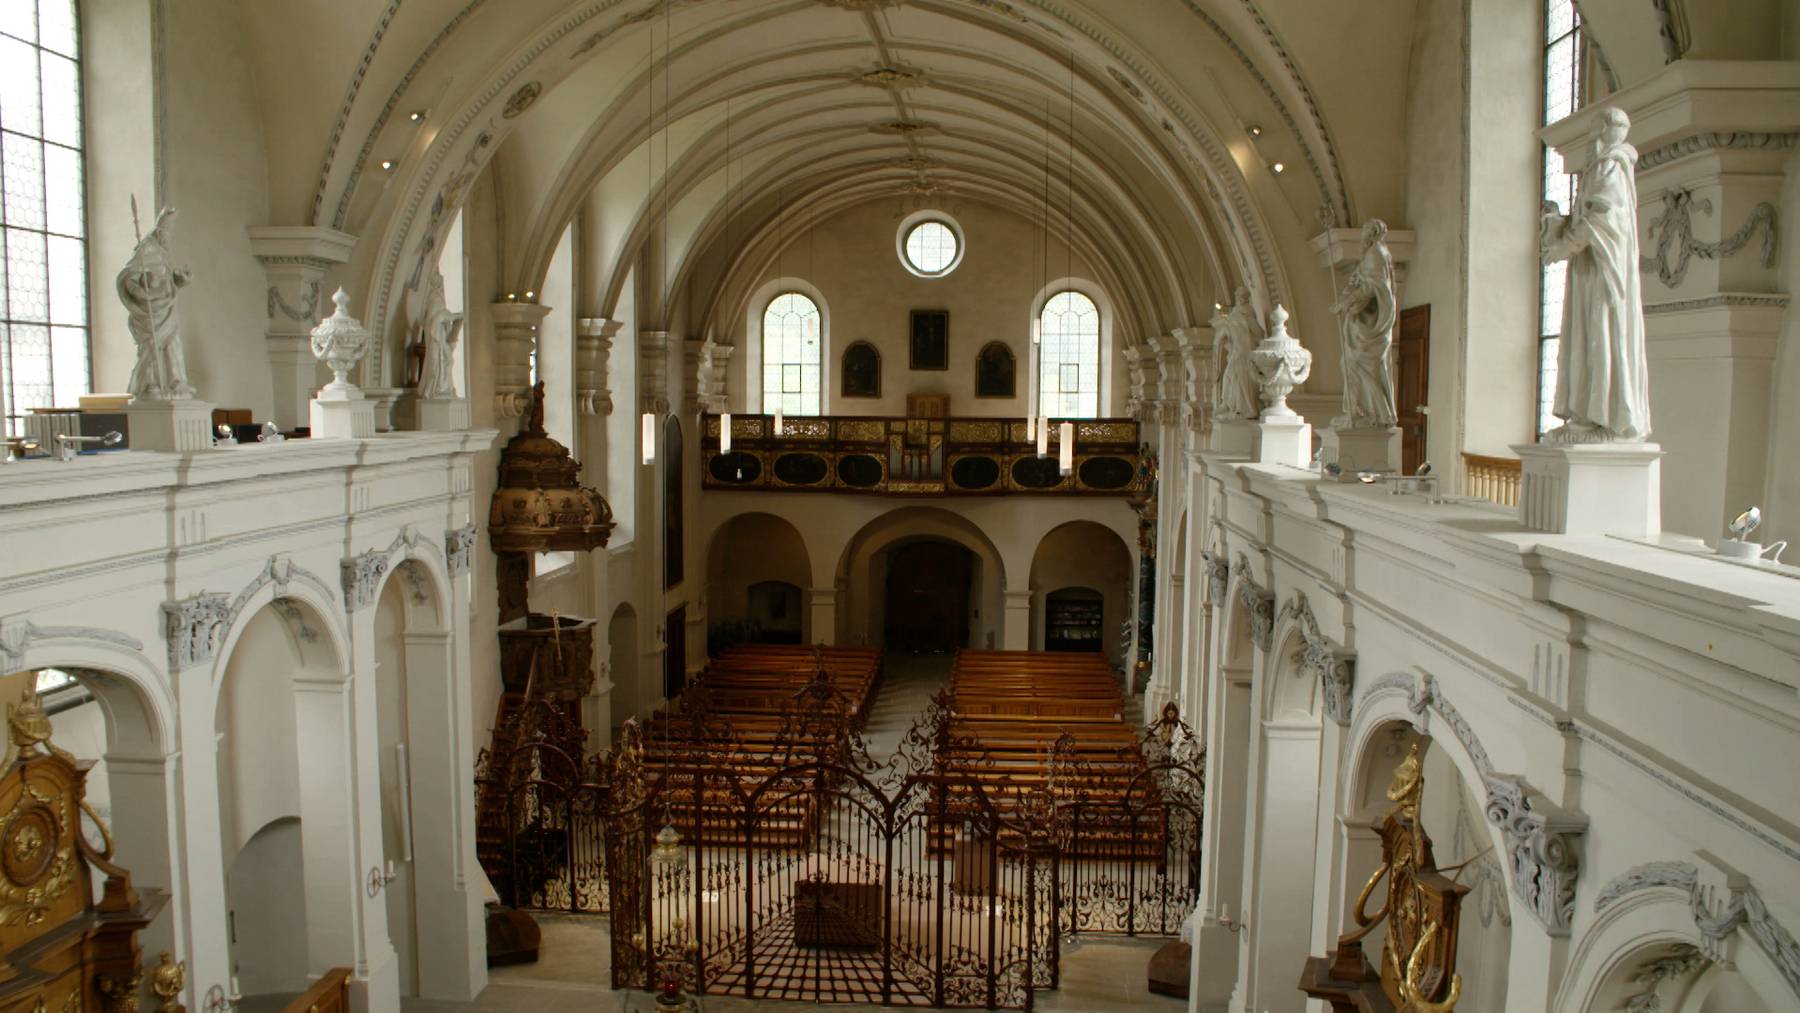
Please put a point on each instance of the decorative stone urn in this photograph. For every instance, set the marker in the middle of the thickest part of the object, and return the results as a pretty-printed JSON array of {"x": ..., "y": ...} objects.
[
  {"x": 340, "y": 341},
  {"x": 340, "y": 410},
  {"x": 1281, "y": 364}
]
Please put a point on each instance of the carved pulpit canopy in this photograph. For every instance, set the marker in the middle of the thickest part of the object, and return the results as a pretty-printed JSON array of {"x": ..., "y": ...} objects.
[{"x": 539, "y": 505}]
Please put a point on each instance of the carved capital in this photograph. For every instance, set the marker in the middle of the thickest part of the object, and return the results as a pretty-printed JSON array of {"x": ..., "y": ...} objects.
[
  {"x": 362, "y": 575},
  {"x": 1334, "y": 667},
  {"x": 1259, "y": 605},
  {"x": 195, "y": 625},
  {"x": 458, "y": 544},
  {"x": 1544, "y": 843},
  {"x": 1218, "y": 576},
  {"x": 593, "y": 349}
]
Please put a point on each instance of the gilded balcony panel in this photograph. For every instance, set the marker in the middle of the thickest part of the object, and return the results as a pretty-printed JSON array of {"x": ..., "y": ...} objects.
[{"x": 920, "y": 457}]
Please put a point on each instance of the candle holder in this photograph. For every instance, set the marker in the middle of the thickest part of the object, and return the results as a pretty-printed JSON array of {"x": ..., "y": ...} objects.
[{"x": 379, "y": 879}]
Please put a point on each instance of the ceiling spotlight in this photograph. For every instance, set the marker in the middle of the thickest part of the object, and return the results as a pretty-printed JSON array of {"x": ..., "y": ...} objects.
[
  {"x": 387, "y": 165},
  {"x": 1278, "y": 168},
  {"x": 530, "y": 296},
  {"x": 416, "y": 115},
  {"x": 1255, "y": 131},
  {"x": 1745, "y": 523}
]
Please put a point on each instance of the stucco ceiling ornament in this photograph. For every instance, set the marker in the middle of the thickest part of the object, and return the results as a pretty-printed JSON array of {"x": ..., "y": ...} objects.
[
  {"x": 195, "y": 625},
  {"x": 1546, "y": 857},
  {"x": 890, "y": 78},
  {"x": 1335, "y": 669},
  {"x": 521, "y": 100},
  {"x": 915, "y": 163},
  {"x": 900, "y": 128},
  {"x": 861, "y": 5},
  {"x": 1258, "y": 604},
  {"x": 1126, "y": 83}
]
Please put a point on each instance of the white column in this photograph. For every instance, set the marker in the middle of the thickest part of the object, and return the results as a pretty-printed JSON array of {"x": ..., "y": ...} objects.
[
  {"x": 515, "y": 335},
  {"x": 145, "y": 798},
  {"x": 296, "y": 258},
  {"x": 821, "y": 609},
  {"x": 1017, "y": 630},
  {"x": 465, "y": 870},
  {"x": 442, "y": 943},
  {"x": 202, "y": 860}
]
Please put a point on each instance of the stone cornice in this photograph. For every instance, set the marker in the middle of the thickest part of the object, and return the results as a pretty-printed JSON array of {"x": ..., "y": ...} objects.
[
  {"x": 1688, "y": 98},
  {"x": 300, "y": 244}
]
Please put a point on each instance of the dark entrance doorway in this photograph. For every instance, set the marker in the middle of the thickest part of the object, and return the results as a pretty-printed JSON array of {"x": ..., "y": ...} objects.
[
  {"x": 675, "y": 653},
  {"x": 928, "y": 596},
  {"x": 1411, "y": 381}
]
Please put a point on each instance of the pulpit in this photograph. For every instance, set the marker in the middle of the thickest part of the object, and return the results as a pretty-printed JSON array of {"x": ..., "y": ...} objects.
[{"x": 59, "y": 948}]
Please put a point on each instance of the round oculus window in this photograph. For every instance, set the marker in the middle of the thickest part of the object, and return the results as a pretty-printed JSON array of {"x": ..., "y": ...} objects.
[{"x": 931, "y": 249}]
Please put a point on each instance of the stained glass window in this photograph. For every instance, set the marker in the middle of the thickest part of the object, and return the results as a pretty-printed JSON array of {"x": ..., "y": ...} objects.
[
  {"x": 1562, "y": 96},
  {"x": 791, "y": 355},
  {"x": 1069, "y": 357},
  {"x": 43, "y": 319}
]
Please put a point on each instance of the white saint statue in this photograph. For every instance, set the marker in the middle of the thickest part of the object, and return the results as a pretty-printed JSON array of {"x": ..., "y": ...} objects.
[
  {"x": 1365, "y": 310},
  {"x": 1235, "y": 333},
  {"x": 148, "y": 285},
  {"x": 1602, "y": 377},
  {"x": 436, "y": 328}
]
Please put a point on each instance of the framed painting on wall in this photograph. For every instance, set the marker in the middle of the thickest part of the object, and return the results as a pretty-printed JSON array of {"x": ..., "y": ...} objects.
[
  {"x": 861, "y": 371},
  {"x": 995, "y": 371},
  {"x": 930, "y": 345}
]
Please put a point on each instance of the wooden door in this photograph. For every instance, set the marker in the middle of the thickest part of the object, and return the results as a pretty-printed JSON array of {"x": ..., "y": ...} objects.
[
  {"x": 1411, "y": 384},
  {"x": 928, "y": 596},
  {"x": 675, "y": 653}
]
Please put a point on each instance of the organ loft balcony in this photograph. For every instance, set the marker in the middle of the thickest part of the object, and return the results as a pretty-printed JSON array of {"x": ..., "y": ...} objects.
[{"x": 900, "y": 456}]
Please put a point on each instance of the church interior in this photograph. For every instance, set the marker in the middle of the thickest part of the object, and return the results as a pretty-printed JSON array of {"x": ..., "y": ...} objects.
[{"x": 1227, "y": 505}]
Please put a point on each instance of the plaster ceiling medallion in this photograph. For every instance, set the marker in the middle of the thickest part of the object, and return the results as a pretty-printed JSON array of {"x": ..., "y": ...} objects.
[
  {"x": 901, "y": 128},
  {"x": 861, "y": 5},
  {"x": 1126, "y": 83},
  {"x": 890, "y": 78}
]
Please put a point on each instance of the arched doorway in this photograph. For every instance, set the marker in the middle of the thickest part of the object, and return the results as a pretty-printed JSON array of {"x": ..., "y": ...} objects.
[
  {"x": 263, "y": 735},
  {"x": 1081, "y": 576},
  {"x": 929, "y": 587},
  {"x": 757, "y": 573},
  {"x": 863, "y": 570}
]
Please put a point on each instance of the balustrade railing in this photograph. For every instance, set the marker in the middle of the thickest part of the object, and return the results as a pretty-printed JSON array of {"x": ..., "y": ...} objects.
[
  {"x": 921, "y": 456},
  {"x": 1492, "y": 478}
]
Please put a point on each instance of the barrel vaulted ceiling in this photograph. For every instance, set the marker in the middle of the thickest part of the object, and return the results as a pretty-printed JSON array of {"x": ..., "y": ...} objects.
[{"x": 611, "y": 111}]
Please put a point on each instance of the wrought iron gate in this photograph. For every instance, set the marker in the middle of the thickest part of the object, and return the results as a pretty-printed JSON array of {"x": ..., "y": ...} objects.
[{"x": 799, "y": 869}]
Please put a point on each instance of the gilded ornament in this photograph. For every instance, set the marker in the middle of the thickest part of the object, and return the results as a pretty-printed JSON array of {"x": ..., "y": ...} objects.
[{"x": 167, "y": 981}]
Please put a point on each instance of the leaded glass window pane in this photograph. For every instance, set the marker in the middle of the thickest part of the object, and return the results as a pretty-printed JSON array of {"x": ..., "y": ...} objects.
[
  {"x": 1069, "y": 357},
  {"x": 792, "y": 348},
  {"x": 1562, "y": 96},
  {"x": 43, "y": 286}
]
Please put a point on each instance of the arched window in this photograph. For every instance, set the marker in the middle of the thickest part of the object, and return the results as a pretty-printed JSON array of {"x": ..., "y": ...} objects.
[
  {"x": 1069, "y": 357},
  {"x": 1564, "y": 50},
  {"x": 44, "y": 340},
  {"x": 791, "y": 355}
]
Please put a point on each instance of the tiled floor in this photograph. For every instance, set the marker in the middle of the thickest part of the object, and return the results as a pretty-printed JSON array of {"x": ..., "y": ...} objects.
[{"x": 572, "y": 971}]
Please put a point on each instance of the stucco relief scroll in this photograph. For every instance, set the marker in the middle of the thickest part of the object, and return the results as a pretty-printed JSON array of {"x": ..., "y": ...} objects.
[
  {"x": 362, "y": 575},
  {"x": 1722, "y": 901},
  {"x": 457, "y": 546},
  {"x": 1543, "y": 841}
]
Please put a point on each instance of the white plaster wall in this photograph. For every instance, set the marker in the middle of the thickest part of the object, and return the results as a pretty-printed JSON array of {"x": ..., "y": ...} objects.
[
  {"x": 217, "y": 179},
  {"x": 748, "y": 550},
  {"x": 120, "y": 113},
  {"x": 1782, "y": 511},
  {"x": 268, "y": 912},
  {"x": 1436, "y": 174},
  {"x": 259, "y": 770},
  {"x": 851, "y": 259}
]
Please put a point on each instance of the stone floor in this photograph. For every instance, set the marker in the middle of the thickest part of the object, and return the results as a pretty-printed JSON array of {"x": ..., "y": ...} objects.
[
  {"x": 573, "y": 970},
  {"x": 571, "y": 974}
]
